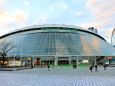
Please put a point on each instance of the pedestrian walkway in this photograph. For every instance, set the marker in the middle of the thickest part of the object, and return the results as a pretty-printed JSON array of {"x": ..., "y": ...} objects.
[
  {"x": 58, "y": 77},
  {"x": 68, "y": 71},
  {"x": 14, "y": 69}
]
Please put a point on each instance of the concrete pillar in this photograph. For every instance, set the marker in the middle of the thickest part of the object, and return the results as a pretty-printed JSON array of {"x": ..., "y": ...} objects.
[
  {"x": 8, "y": 61},
  {"x": 21, "y": 60},
  {"x": 14, "y": 57},
  {"x": 77, "y": 61},
  {"x": 95, "y": 60},
  {"x": 56, "y": 61},
  {"x": 33, "y": 61},
  {"x": 21, "y": 56},
  {"x": 69, "y": 60}
]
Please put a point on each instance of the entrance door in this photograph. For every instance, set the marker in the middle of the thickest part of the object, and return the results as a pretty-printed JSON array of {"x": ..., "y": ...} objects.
[{"x": 63, "y": 62}]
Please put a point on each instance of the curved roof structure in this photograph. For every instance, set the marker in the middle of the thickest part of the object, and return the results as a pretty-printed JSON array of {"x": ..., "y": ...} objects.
[
  {"x": 58, "y": 40},
  {"x": 34, "y": 27}
]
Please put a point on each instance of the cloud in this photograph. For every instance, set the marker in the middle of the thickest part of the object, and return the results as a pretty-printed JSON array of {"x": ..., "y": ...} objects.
[
  {"x": 43, "y": 19},
  {"x": 20, "y": 16},
  {"x": 103, "y": 13},
  {"x": 52, "y": 8},
  {"x": 2, "y": 13},
  {"x": 62, "y": 5},
  {"x": 109, "y": 32},
  {"x": 79, "y": 13},
  {"x": 94, "y": 3},
  {"x": 104, "y": 6},
  {"x": 5, "y": 19},
  {"x": 3, "y": 31},
  {"x": 58, "y": 5},
  {"x": 103, "y": 16},
  {"x": 4, "y": 16},
  {"x": 35, "y": 22},
  {"x": 10, "y": 21},
  {"x": 4, "y": 25},
  {"x": 87, "y": 24},
  {"x": 90, "y": 3},
  {"x": 27, "y": 3},
  {"x": 2, "y": 3}
]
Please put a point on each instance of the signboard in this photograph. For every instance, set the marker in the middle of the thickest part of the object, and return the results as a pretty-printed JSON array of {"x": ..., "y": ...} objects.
[
  {"x": 55, "y": 29},
  {"x": 63, "y": 58},
  {"x": 85, "y": 61},
  {"x": 14, "y": 63},
  {"x": 109, "y": 57}
]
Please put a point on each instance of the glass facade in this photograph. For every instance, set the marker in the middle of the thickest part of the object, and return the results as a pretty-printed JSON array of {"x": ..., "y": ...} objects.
[{"x": 38, "y": 43}]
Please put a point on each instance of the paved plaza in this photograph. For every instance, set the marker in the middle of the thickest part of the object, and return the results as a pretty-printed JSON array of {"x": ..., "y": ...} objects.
[{"x": 58, "y": 77}]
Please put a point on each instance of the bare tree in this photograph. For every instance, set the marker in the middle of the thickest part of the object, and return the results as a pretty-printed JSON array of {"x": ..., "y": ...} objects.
[{"x": 5, "y": 47}]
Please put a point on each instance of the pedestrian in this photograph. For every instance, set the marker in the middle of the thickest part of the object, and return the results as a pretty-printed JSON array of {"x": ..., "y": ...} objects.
[
  {"x": 73, "y": 65},
  {"x": 91, "y": 67},
  {"x": 104, "y": 66},
  {"x": 96, "y": 68},
  {"x": 48, "y": 67},
  {"x": 31, "y": 66}
]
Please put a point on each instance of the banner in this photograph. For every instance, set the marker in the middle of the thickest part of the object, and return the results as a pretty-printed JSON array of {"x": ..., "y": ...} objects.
[
  {"x": 14, "y": 63},
  {"x": 85, "y": 61}
]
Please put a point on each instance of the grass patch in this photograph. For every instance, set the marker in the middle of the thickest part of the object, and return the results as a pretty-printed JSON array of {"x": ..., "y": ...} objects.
[
  {"x": 83, "y": 65},
  {"x": 67, "y": 66}
]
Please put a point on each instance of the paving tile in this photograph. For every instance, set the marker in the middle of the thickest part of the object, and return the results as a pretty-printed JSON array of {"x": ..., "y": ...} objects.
[{"x": 58, "y": 77}]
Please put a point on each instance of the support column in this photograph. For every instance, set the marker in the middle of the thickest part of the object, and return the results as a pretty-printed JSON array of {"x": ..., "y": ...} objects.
[
  {"x": 8, "y": 61},
  {"x": 103, "y": 60},
  {"x": 33, "y": 62},
  {"x": 69, "y": 60},
  {"x": 46, "y": 62},
  {"x": 40, "y": 62},
  {"x": 95, "y": 60},
  {"x": 77, "y": 61},
  {"x": 56, "y": 61},
  {"x": 21, "y": 54},
  {"x": 14, "y": 57},
  {"x": 21, "y": 60}
]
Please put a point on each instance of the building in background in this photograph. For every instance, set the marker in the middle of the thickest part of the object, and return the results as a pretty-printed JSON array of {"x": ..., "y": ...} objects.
[{"x": 58, "y": 45}]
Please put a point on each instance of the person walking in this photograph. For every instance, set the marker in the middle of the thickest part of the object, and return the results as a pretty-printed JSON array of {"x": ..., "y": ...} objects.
[
  {"x": 73, "y": 65},
  {"x": 31, "y": 66},
  {"x": 104, "y": 66},
  {"x": 91, "y": 67},
  {"x": 96, "y": 68}
]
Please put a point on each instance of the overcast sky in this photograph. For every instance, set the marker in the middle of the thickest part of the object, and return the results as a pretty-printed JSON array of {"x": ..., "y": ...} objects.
[{"x": 15, "y": 14}]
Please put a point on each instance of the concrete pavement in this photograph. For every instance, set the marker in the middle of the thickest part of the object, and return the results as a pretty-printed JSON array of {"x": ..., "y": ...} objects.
[{"x": 58, "y": 77}]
